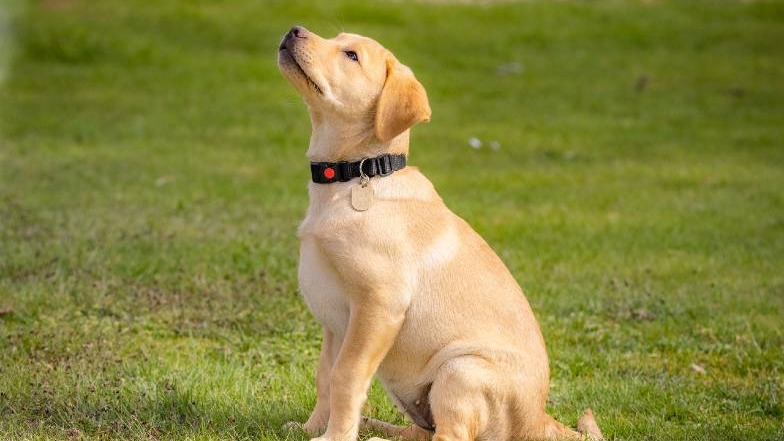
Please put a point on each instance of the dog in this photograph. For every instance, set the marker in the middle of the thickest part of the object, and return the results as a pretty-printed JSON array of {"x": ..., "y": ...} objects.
[{"x": 404, "y": 289}]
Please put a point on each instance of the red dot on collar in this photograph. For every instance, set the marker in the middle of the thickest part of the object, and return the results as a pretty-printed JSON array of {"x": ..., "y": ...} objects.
[{"x": 329, "y": 172}]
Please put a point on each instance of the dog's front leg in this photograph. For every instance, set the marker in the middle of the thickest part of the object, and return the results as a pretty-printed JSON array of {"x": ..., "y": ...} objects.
[
  {"x": 320, "y": 415},
  {"x": 374, "y": 323}
]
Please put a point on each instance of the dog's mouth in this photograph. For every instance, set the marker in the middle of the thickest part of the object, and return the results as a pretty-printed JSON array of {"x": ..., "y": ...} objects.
[{"x": 289, "y": 57}]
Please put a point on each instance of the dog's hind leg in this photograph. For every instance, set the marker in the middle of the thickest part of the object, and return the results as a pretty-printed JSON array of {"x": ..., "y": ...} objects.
[{"x": 458, "y": 399}]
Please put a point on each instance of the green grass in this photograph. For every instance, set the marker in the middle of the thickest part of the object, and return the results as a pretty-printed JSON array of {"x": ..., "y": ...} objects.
[{"x": 152, "y": 175}]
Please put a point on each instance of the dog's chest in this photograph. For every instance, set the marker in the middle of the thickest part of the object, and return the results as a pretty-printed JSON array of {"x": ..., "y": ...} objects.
[{"x": 321, "y": 288}]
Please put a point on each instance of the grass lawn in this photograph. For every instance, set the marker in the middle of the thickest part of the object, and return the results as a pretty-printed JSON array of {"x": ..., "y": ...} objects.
[{"x": 152, "y": 176}]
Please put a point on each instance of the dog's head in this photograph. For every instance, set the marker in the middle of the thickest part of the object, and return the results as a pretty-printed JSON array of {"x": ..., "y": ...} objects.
[{"x": 354, "y": 77}]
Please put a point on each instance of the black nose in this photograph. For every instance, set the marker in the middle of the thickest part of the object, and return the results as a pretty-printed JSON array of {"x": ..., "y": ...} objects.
[{"x": 297, "y": 32}]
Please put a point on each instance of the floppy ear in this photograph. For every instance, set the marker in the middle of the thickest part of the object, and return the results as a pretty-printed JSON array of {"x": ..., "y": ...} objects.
[{"x": 403, "y": 102}]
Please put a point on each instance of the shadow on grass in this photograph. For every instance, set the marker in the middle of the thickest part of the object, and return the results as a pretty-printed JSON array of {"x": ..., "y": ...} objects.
[
  {"x": 101, "y": 402},
  {"x": 166, "y": 411},
  {"x": 176, "y": 413}
]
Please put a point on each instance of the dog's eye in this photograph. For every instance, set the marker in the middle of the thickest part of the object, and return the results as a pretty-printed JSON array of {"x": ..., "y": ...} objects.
[{"x": 352, "y": 55}]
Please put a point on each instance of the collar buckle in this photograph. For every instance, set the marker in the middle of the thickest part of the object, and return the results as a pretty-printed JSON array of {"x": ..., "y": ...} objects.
[{"x": 384, "y": 165}]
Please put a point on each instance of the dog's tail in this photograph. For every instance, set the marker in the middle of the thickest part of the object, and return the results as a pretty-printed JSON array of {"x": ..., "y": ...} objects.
[{"x": 586, "y": 426}]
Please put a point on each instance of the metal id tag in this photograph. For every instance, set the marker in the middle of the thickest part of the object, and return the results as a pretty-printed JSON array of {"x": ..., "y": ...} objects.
[{"x": 362, "y": 195}]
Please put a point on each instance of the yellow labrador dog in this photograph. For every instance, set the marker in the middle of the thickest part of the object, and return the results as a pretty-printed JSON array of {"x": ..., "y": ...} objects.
[{"x": 403, "y": 287}]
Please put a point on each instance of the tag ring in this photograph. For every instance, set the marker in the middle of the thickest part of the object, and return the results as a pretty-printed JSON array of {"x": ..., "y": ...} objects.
[{"x": 362, "y": 176}]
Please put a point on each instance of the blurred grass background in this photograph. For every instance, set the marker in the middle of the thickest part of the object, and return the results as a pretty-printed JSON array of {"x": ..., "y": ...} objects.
[{"x": 152, "y": 176}]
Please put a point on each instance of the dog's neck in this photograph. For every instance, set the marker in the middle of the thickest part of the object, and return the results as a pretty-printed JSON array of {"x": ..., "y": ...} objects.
[{"x": 335, "y": 138}]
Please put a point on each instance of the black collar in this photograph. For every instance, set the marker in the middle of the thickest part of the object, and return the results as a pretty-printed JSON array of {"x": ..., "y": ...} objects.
[{"x": 329, "y": 172}]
